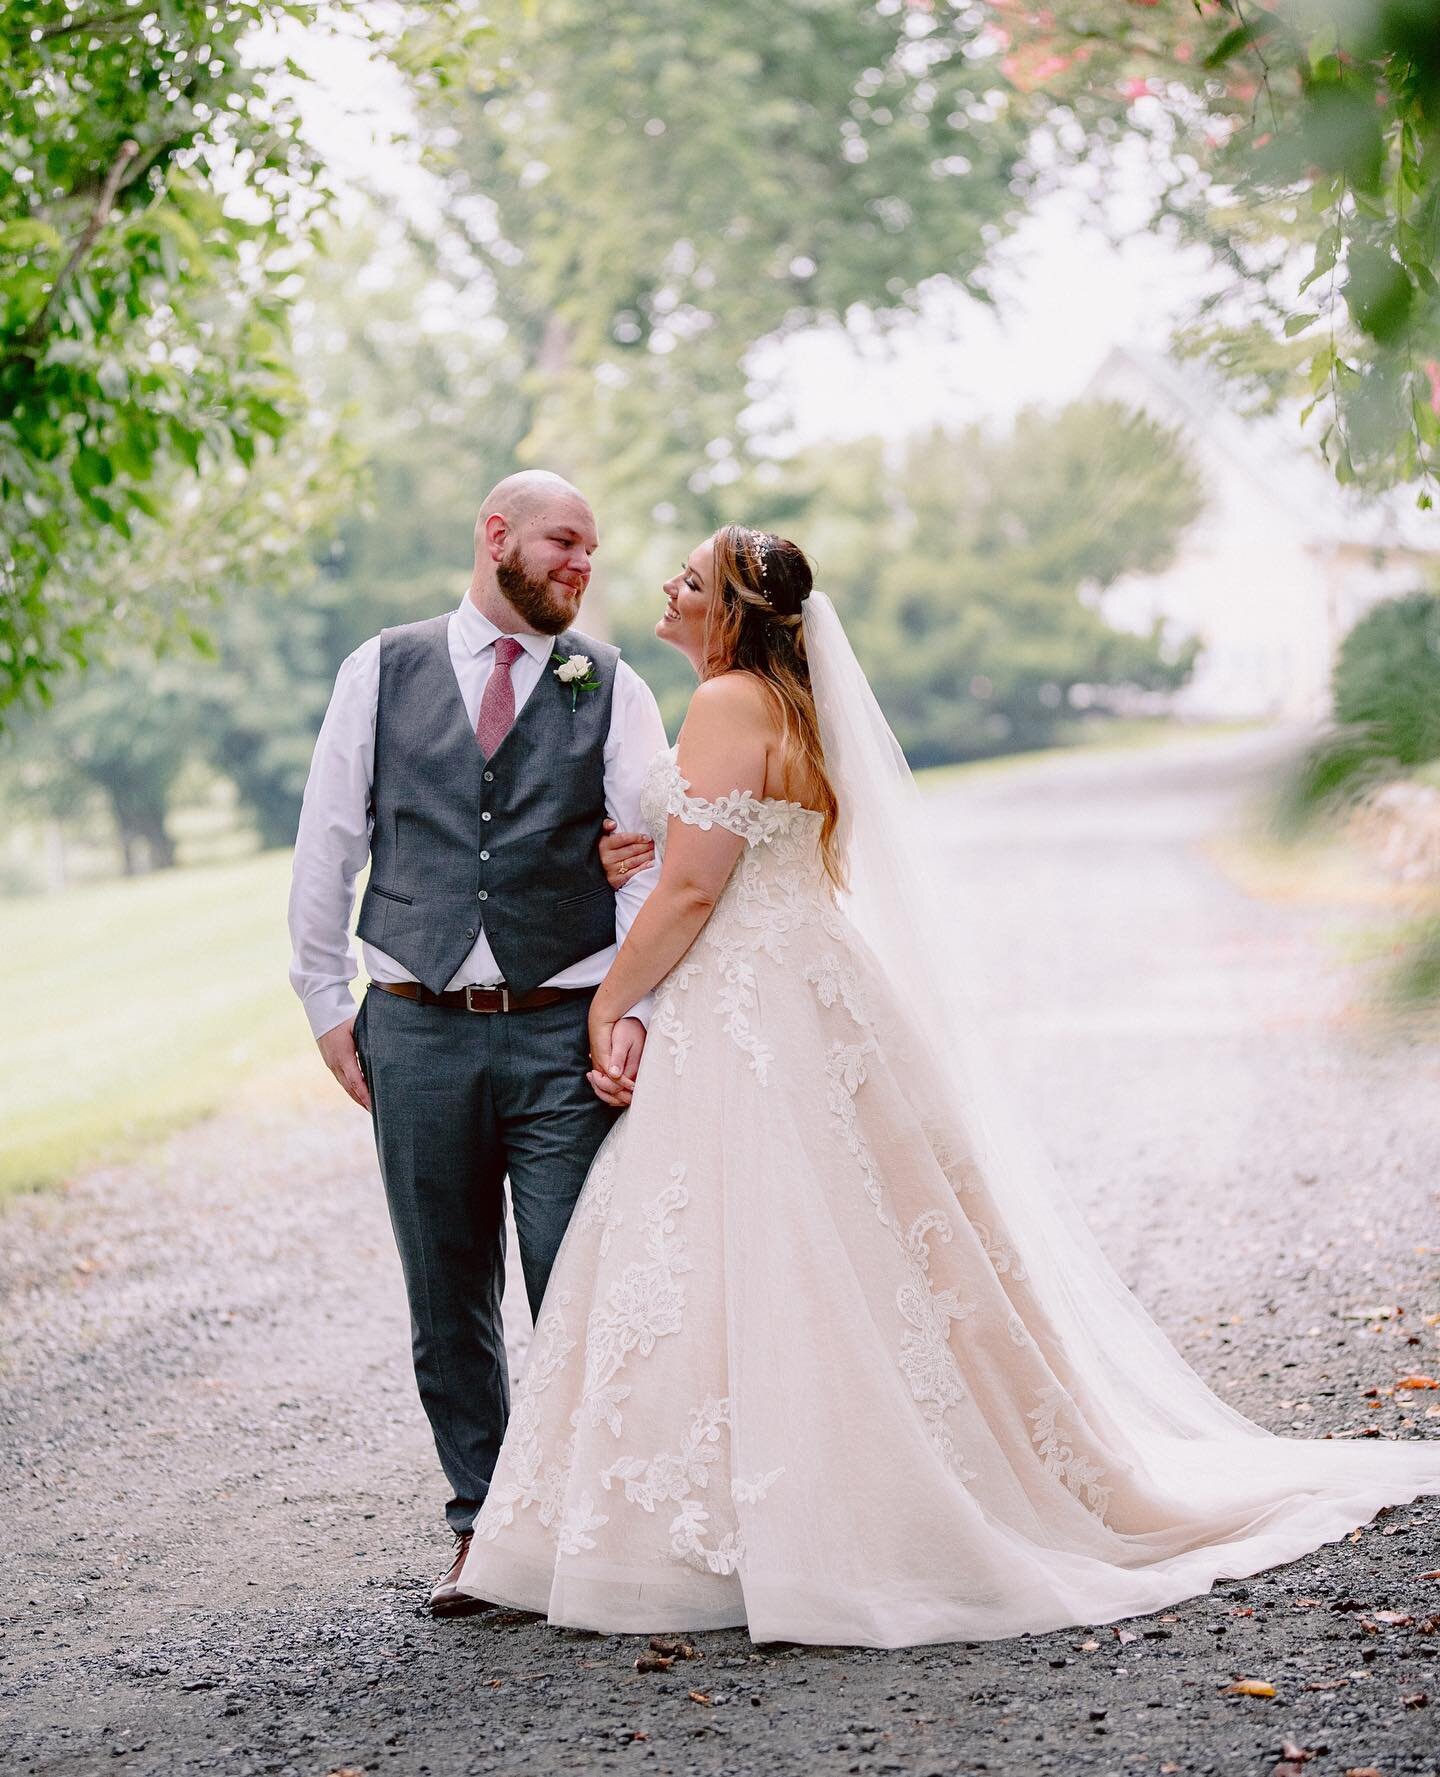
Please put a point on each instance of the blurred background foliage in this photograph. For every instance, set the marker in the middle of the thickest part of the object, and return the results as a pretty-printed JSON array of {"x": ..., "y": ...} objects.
[{"x": 245, "y": 418}]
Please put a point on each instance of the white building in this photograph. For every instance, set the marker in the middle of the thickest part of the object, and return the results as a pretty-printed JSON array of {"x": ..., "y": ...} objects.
[{"x": 1279, "y": 565}]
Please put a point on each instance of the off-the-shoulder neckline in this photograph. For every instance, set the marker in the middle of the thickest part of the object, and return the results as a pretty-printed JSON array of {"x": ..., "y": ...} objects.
[{"x": 673, "y": 753}]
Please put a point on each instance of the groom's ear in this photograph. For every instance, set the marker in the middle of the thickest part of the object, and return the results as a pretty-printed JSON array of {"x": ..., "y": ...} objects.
[{"x": 497, "y": 534}]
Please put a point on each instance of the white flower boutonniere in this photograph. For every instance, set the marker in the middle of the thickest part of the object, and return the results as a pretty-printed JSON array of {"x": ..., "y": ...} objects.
[{"x": 578, "y": 672}]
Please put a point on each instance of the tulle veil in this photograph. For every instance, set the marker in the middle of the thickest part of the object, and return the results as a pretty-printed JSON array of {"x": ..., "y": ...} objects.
[{"x": 1177, "y": 1429}]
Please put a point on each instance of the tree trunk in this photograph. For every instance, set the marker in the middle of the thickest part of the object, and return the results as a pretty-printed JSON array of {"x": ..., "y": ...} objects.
[{"x": 144, "y": 841}]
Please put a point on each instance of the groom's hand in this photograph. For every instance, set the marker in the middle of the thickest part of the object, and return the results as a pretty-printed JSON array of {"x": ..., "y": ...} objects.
[
  {"x": 337, "y": 1051},
  {"x": 615, "y": 1051}
]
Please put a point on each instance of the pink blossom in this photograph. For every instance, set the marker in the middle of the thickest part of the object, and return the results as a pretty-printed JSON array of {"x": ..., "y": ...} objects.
[{"x": 1135, "y": 89}]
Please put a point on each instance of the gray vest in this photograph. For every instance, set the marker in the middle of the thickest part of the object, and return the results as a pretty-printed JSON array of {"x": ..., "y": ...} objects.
[{"x": 510, "y": 841}]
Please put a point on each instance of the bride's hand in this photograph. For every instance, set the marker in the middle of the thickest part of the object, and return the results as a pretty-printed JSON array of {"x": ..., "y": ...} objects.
[
  {"x": 621, "y": 854},
  {"x": 615, "y": 1049}
]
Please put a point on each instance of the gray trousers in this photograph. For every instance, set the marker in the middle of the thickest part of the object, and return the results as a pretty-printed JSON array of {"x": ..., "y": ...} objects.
[{"x": 459, "y": 1099}]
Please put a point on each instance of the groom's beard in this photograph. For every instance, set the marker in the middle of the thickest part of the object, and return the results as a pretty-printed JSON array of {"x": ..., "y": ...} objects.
[{"x": 536, "y": 597}]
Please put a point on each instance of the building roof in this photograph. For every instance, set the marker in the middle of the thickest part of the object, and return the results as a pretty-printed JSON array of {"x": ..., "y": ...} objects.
[{"x": 1269, "y": 451}]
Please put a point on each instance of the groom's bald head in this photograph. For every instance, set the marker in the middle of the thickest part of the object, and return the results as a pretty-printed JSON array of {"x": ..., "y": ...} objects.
[
  {"x": 530, "y": 495},
  {"x": 534, "y": 537}
]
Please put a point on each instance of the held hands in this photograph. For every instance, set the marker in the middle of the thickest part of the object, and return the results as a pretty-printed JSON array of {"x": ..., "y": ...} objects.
[
  {"x": 337, "y": 1051},
  {"x": 615, "y": 1049},
  {"x": 621, "y": 854}
]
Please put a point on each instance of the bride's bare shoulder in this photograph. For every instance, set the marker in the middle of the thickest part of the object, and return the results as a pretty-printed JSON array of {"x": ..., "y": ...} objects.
[{"x": 731, "y": 699}]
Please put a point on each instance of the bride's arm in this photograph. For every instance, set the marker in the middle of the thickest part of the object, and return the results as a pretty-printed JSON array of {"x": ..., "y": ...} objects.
[{"x": 723, "y": 747}]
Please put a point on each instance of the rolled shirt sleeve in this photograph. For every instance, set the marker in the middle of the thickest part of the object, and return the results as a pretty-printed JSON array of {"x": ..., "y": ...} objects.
[{"x": 332, "y": 845}]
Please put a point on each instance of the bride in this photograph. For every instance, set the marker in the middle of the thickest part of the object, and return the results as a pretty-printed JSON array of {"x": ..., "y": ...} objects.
[{"x": 827, "y": 1350}]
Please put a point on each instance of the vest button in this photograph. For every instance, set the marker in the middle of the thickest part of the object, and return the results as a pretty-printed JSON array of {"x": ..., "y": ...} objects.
[
  {"x": 469, "y": 931},
  {"x": 484, "y": 857},
  {"x": 486, "y": 815},
  {"x": 482, "y": 896},
  {"x": 489, "y": 777}
]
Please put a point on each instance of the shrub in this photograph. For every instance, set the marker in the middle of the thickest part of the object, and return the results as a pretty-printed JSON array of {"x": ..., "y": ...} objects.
[{"x": 1387, "y": 678}]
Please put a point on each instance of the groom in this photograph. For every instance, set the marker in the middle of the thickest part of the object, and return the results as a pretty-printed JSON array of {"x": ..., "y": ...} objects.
[{"x": 472, "y": 758}]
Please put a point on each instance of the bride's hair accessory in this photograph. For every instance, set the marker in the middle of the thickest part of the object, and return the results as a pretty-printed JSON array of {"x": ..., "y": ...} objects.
[{"x": 780, "y": 569}]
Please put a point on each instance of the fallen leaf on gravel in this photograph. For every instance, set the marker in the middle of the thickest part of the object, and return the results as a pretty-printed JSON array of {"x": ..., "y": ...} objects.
[
  {"x": 673, "y": 1649},
  {"x": 1242, "y": 1610},
  {"x": 1414, "y": 1699},
  {"x": 1417, "y": 1382},
  {"x": 1364, "y": 1771},
  {"x": 1434, "y": 1574},
  {"x": 1427, "y": 1625},
  {"x": 1124, "y": 1635},
  {"x": 1305, "y": 1603},
  {"x": 1169, "y": 1768},
  {"x": 638, "y": 1734},
  {"x": 1326, "y": 1684},
  {"x": 1169, "y": 1619},
  {"x": 1397, "y": 1619},
  {"x": 1088, "y": 1647},
  {"x": 701, "y": 1697},
  {"x": 653, "y": 1663},
  {"x": 1248, "y": 1687},
  {"x": 1368, "y": 1625},
  {"x": 1297, "y": 1755},
  {"x": 348, "y": 1771}
]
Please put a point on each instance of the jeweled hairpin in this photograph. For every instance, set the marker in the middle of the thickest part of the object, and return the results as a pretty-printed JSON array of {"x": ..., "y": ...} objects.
[{"x": 757, "y": 547}]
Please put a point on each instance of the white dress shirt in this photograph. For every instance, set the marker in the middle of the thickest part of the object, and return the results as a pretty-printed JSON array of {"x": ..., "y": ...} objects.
[{"x": 332, "y": 846}]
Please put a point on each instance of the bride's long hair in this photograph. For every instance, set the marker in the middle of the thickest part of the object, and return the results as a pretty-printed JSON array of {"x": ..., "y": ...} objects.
[{"x": 756, "y": 625}]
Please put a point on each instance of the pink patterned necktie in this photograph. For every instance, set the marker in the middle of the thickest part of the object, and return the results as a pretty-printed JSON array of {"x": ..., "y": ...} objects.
[{"x": 497, "y": 704}]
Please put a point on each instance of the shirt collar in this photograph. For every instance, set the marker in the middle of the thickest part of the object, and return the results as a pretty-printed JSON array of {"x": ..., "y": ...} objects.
[{"x": 477, "y": 632}]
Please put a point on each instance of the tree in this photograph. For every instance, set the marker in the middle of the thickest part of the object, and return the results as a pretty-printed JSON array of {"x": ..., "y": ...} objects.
[
  {"x": 157, "y": 199},
  {"x": 651, "y": 188},
  {"x": 143, "y": 327},
  {"x": 1300, "y": 142},
  {"x": 125, "y": 733},
  {"x": 970, "y": 573},
  {"x": 296, "y": 572}
]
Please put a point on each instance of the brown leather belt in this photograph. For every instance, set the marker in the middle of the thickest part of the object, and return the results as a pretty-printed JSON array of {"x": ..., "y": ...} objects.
[{"x": 484, "y": 999}]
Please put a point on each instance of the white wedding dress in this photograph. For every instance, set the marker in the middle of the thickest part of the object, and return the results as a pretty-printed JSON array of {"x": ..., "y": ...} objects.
[{"x": 793, "y": 1371}]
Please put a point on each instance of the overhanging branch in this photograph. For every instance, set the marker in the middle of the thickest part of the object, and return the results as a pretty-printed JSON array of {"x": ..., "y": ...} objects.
[{"x": 98, "y": 218}]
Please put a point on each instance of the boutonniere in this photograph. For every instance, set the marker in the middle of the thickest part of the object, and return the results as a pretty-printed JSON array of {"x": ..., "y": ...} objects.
[{"x": 578, "y": 672}]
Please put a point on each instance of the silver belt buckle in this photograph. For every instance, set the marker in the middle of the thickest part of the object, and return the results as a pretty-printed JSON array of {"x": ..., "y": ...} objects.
[{"x": 470, "y": 1005}]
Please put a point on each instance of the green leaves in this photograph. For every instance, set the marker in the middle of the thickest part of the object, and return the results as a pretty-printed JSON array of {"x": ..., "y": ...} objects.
[
  {"x": 130, "y": 357},
  {"x": 1293, "y": 128},
  {"x": 1379, "y": 293}
]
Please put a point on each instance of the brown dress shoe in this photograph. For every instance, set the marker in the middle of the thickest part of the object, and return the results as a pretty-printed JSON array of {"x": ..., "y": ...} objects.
[{"x": 447, "y": 1600}]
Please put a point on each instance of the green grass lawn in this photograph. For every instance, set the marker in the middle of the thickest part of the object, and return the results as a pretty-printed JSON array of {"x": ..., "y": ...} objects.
[{"x": 134, "y": 1007}]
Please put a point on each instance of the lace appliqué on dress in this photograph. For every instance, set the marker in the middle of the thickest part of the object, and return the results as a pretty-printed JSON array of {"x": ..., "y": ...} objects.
[
  {"x": 674, "y": 1478},
  {"x": 926, "y": 1359},
  {"x": 535, "y": 1482},
  {"x": 1060, "y": 1458},
  {"x": 645, "y": 1303},
  {"x": 596, "y": 1208},
  {"x": 665, "y": 1020}
]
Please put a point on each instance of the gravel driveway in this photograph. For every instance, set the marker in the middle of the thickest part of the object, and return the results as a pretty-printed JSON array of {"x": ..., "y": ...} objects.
[{"x": 222, "y": 1506}]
